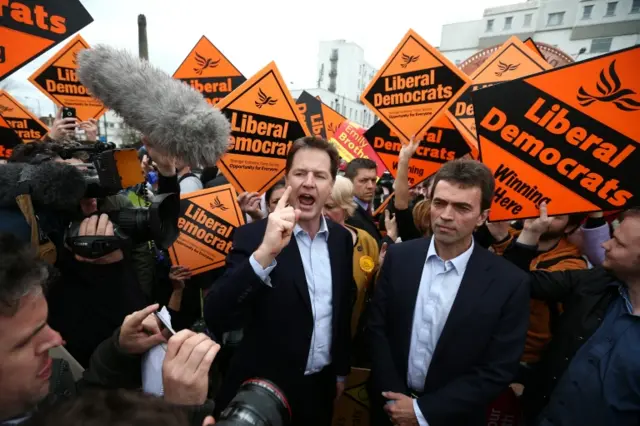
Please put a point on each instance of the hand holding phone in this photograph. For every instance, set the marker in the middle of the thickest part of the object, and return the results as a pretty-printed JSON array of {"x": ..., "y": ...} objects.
[{"x": 165, "y": 321}]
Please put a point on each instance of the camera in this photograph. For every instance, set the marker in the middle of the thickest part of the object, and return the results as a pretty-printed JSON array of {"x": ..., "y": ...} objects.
[
  {"x": 68, "y": 112},
  {"x": 259, "y": 402},
  {"x": 107, "y": 172}
]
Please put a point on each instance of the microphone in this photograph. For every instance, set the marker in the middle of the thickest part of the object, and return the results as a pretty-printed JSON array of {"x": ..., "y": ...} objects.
[
  {"x": 58, "y": 186},
  {"x": 175, "y": 118}
]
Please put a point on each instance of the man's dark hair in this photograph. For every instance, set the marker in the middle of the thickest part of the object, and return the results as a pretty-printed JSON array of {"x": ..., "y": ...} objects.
[
  {"x": 314, "y": 142},
  {"x": 21, "y": 272},
  {"x": 467, "y": 174},
  {"x": 279, "y": 184},
  {"x": 27, "y": 152},
  {"x": 112, "y": 407},
  {"x": 358, "y": 164}
]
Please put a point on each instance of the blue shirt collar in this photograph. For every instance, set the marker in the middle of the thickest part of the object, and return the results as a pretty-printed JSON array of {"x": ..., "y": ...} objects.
[
  {"x": 324, "y": 229},
  {"x": 361, "y": 203},
  {"x": 459, "y": 263}
]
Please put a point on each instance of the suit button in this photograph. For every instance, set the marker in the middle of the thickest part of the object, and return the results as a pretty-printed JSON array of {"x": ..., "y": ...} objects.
[
  {"x": 555, "y": 378},
  {"x": 580, "y": 338}
]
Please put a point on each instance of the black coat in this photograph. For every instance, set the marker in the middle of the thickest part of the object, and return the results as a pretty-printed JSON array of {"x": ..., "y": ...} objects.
[
  {"x": 278, "y": 320},
  {"x": 478, "y": 352}
]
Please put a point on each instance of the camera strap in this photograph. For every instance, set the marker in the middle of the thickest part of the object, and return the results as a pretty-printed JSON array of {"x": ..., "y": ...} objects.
[{"x": 45, "y": 248}]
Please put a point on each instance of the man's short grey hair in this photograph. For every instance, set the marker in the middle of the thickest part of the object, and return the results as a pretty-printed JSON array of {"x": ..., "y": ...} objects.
[{"x": 21, "y": 273}]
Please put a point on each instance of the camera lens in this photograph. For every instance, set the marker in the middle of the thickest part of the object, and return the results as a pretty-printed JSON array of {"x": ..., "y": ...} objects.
[{"x": 259, "y": 402}]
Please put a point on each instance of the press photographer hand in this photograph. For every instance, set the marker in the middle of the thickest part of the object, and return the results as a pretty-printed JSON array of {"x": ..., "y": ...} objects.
[
  {"x": 93, "y": 226},
  {"x": 185, "y": 370},
  {"x": 280, "y": 226}
]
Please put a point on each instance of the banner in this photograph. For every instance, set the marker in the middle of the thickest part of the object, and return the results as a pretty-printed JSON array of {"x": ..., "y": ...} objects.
[
  {"x": 30, "y": 28},
  {"x": 8, "y": 139},
  {"x": 208, "y": 219},
  {"x": 511, "y": 61},
  {"x": 351, "y": 143},
  {"x": 441, "y": 143},
  {"x": 264, "y": 124},
  {"x": 58, "y": 80},
  {"x": 414, "y": 87},
  {"x": 322, "y": 120},
  {"x": 568, "y": 137},
  {"x": 352, "y": 408},
  {"x": 209, "y": 72},
  {"x": 26, "y": 125}
]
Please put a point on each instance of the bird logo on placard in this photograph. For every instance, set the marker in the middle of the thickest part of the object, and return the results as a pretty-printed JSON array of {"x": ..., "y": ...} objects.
[
  {"x": 264, "y": 99},
  {"x": 331, "y": 128},
  {"x": 610, "y": 89},
  {"x": 204, "y": 63},
  {"x": 217, "y": 204},
  {"x": 4, "y": 109},
  {"x": 505, "y": 68},
  {"x": 408, "y": 59}
]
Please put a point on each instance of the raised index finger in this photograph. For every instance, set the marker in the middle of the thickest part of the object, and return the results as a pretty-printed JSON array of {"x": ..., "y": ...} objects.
[
  {"x": 138, "y": 317},
  {"x": 282, "y": 202}
]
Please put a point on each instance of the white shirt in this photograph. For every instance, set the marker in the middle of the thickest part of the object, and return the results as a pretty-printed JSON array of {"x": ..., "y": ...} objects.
[
  {"x": 317, "y": 270},
  {"x": 439, "y": 286}
]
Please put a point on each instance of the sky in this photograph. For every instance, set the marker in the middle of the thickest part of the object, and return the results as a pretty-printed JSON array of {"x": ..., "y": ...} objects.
[{"x": 252, "y": 33}]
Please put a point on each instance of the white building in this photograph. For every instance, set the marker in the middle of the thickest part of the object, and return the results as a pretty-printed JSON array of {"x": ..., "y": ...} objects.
[
  {"x": 342, "y": 76},
  {"x": 112, "y": 128},
  {"x": 580, "y": 28},
  {"x": 353, "y": 110}
]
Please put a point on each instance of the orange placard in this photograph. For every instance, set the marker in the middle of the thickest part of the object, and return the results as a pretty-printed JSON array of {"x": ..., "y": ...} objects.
[
  {"x": 207, "y": 222},
  {"x": 414, "y": 87},
  {"x": 264, "y": 124},
  {"x": 513, "y": 60},
  {"x": 351, "y": 143},
  {"x": 352, "y": 408},
  {"x": 58, "y": 80},
  {"x": 209, "y": 72},
  {"x": 532, "y": 45},
  {"x": 322, "y": 120},
  {"x": 567, "y": 136},
  {"x": 29, "y": 28},
  {"x": 441, "y": 143},
  {"x": 8, "y": 139},
  {"x": 26, "y": 125}
]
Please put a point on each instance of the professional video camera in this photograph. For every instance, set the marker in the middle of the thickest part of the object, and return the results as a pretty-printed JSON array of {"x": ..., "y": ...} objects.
[
  {"x": 108, "y": 171},
  {"x": 259, "y": 402}
]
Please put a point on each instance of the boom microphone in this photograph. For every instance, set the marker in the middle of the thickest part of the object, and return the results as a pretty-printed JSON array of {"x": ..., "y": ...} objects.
[
  {"x": 175, "y": 118},
  {"x": 58, "y": 186}
]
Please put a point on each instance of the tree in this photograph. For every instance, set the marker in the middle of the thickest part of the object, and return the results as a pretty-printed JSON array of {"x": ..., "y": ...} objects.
[{"x": 131, "y": 138}]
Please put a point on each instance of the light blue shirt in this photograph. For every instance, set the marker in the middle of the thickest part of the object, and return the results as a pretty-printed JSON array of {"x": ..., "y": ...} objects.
[
  {"x": 439, "y": 286},
  {"x": 317, "y": 269},
  {"x": 361, "y": 203}
]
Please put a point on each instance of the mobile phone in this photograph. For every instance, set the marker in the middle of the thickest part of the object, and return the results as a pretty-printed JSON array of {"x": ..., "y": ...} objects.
[
  {"x": 68, "y": 112},
  {"x": 165, "y": 322}
]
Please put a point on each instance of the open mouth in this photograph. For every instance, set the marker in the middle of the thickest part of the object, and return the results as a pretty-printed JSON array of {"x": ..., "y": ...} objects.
[{"x": 306, "y": 200}]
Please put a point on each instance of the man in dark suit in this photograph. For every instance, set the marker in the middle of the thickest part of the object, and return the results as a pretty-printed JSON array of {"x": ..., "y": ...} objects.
[
  {"x": 362, "y": 172},
  {"x": 292, "y": 296},
  {"x": 448, "y": 319}
]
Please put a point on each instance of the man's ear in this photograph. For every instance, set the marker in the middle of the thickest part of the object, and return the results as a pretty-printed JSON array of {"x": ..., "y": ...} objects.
[{"x": 483, "y": 218}]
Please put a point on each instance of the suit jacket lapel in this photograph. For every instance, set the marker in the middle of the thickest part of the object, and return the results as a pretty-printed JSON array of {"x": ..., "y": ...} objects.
[
  {"x": 407, "y": 294},
  {"x": 295, "y": 269},
  {"x": 336, "y": 258},
  {"x": 474, "y": 283}
]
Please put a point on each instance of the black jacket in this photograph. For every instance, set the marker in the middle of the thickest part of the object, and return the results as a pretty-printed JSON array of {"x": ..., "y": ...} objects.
[
  {"x": 278, "y": 320},
  {"x": 362, "y": 220},
  {"x": 477, "y": 354},
  {"x": 585, "y": 295}
]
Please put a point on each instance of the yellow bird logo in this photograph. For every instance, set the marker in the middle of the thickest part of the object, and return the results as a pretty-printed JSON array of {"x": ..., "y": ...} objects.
[
  {"x": 264, "y": 99},
  {"x": 504, "y": 68},
  {"x": 204, "y": 63},
  {"x": 408, "y": 59}
]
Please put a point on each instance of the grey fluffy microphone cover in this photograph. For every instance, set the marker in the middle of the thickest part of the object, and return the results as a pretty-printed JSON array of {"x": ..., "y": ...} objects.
[{"x": 175, "y": 118}]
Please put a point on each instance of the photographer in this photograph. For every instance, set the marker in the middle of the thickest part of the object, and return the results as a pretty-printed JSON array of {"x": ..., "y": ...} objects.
[
  {"x": 33, "y": 382},
  {"x": 91, "y": 297}
]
